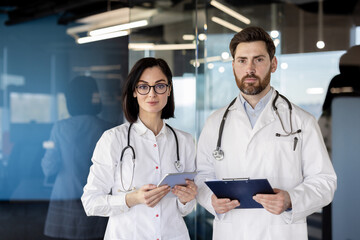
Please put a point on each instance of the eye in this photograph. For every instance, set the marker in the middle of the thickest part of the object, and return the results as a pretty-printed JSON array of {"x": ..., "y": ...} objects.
[
  {"x": 160, "y": 86},
  {"x": 259, "y": 59},
  {"x": 143, "y": 86}
]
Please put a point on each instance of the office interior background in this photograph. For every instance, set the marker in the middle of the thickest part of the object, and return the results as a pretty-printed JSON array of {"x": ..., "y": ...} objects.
[{"x": 46, "y": 44}]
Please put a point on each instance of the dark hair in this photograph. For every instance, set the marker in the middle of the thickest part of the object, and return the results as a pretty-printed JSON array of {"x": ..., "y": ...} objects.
[
  {"x": 130, "y": 104},
  {"x": 252, "y": 34},
  {"x": 82, "y": 96}
]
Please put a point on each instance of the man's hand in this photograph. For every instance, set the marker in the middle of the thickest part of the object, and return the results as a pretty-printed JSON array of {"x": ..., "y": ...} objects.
[
  {"x": 149, "y": 195},
  {"x": 185, "y": 193},
  {"x": 274, "y": 203},
  {"x": 223, "y": 205}
]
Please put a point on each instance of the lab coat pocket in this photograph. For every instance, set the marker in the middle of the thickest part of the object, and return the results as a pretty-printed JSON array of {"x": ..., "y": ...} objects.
[
  {"x": 288, "y": 231},
  {"x": 285, "y": 152}
]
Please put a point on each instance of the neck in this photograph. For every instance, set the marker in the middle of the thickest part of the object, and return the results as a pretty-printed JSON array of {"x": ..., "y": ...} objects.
[
  {"x": 254, "y": 99},
  {"x": 152, "y": 122}
]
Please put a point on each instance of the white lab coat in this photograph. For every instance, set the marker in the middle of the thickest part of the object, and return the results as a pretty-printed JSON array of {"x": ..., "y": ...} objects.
[
  {"x": 155, "y": 156},
  {"x": 306, "y": 173}
]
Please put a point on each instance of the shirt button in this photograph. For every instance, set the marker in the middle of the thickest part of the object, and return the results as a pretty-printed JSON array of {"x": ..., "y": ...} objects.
[
  {"x": 155, "y": 145},
  {"x": 157, "y": 167},
  {"x": 157, "y": 215}
]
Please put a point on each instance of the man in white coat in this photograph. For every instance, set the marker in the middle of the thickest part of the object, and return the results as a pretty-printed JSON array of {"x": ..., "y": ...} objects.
[{"x": 264, "y": 136}]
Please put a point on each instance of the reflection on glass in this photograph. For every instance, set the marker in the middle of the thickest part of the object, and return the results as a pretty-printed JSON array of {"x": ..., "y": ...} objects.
[{"x": 67, "y": 160}]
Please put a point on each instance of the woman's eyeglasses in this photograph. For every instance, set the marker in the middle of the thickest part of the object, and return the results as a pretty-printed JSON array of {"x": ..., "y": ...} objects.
[{"x": 159, "y": 88}]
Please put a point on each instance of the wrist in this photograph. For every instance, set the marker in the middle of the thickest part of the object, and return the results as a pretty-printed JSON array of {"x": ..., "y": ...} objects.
[{"x": 130, "y": 199}]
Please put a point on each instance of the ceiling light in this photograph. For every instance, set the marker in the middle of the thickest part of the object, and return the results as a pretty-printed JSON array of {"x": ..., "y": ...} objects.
[
  {"x": 210, "y": 65},
  {"x": 101, "y": 37},
  {"x": 274, "y": 34},
  {"x": 315, "y": 91},
  {"x": 276, "y": 42},
  {"x": 320, "y": 43},
  {"x": 284, "y": 65},
  {"x": 230, "y": 12},
  {"x": 221, "y": 69},
  {"x": 160, "y": 47},
  {"x": 225, "y": 55},
  {"x": 226, "y": 24},
  {"x": 117, "y": 28},
  {"x": 202, "y": 36},
  {"x": 188, "y": 37}
]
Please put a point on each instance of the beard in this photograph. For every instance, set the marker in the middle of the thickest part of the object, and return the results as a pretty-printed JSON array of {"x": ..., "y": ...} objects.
[{"x": 255, "y": 87}]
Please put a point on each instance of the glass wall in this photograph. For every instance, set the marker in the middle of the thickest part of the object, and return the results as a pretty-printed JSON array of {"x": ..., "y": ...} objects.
[
  {"x": 57, "y": 97},
  {"x": 43, "y": 71}
]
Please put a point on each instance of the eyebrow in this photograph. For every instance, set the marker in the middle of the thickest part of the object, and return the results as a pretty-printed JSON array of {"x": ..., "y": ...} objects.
[
  {"x": 157, "y": 81},
  {"x": 258, "y": 56}
]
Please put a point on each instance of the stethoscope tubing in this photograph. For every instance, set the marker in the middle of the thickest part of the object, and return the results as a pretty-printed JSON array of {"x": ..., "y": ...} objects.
[
  {"x": 177, "y": 163},
  {"x": 218, "y": 153}
]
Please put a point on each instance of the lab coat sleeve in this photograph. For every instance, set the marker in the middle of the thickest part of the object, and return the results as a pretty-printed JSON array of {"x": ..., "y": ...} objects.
[
  {"x": 190, "y": 166},
  {"x": 205, "y": 166},
  {"x": 319, "y": 178},
  {"x": 187, "y": 208},
  {"x": 97, "y": 199},
  {"x": 51, "y": 161}
]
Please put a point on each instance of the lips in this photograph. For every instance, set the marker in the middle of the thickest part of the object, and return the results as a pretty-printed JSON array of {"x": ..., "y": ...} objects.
[
  {"x": 152, "y": 103},
  {"x": 250, "y": 79}
]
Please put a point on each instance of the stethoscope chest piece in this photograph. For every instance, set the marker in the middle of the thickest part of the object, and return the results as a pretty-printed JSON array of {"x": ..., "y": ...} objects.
[
  {"x": 178, "y": 165},
  {"x": 218, "y": 154}
]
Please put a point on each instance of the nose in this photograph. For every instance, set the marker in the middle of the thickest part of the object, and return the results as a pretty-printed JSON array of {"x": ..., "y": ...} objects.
[
  {"x": 250, "y": 68},
  {"x": 152, "y": 92}
]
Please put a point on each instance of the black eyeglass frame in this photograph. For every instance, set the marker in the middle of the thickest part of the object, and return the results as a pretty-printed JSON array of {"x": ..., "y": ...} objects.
[{"x": 154, "y": 86}]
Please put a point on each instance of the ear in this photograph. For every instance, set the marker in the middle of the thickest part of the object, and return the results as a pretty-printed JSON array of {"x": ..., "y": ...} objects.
[
  {"x": 273, "y": 64},
  {"x": 134, "y": 94},
  {"x": 169, "y": 91}
]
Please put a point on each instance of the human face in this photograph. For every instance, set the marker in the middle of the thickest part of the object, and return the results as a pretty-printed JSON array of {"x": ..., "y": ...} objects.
[
  {"x": 152, "y": 103},
  {"x": 252, "y": 67}
]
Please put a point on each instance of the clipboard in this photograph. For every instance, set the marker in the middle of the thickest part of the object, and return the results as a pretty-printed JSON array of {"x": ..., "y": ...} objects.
[
  {"x": 241, "y": 189},
  {"x": 173, "y": 179}
]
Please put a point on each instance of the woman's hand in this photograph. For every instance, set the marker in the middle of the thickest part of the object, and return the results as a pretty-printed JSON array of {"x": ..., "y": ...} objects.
[
  {"x": 185, "y": 193},
  {"x": 149, "y": 195}
]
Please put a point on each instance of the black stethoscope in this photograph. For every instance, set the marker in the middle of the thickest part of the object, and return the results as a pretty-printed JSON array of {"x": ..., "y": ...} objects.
[
  {"x": 177, "y": 163},
  {"x": 219, "y": 154}
]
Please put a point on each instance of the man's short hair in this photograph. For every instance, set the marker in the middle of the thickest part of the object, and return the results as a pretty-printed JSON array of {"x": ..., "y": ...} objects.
[
  {"x": 252, "y": 34},
  {"x": 130, "y": 104}
]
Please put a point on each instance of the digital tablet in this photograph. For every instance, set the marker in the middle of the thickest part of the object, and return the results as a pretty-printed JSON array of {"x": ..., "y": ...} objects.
[{"x": 173, "y": 179}]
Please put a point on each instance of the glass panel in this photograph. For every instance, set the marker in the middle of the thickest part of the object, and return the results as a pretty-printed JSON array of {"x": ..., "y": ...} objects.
[{"x": 57, "y": 97}]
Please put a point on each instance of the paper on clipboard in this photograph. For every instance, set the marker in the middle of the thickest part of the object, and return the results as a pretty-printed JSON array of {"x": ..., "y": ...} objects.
[
  {"x": 173, "y": 179},
  {"x": 241, "y": 189}
]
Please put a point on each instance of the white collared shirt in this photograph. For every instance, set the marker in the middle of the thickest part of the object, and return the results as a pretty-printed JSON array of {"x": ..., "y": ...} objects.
[
  {"x": 254, "y": 113},
  {"x": 155, "y": 157}
]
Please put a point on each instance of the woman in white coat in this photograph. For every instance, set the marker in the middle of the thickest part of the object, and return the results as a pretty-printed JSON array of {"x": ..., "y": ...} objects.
[
  {"x": 256, "y": 144},
  {"x": 129, "y": 160}
]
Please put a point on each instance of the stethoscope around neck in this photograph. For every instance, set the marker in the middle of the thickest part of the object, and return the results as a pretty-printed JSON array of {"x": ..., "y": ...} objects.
[
  {"x": 177, "y": 163},
  {"x": 218, "y": 153}
]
